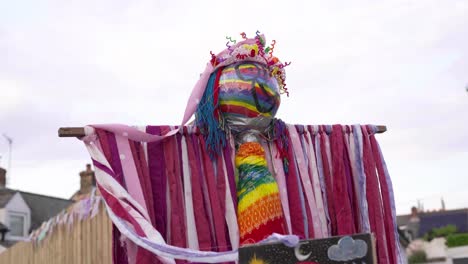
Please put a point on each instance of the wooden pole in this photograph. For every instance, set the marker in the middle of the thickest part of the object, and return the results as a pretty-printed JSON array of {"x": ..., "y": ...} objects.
[{"x": 79, "y": 131}]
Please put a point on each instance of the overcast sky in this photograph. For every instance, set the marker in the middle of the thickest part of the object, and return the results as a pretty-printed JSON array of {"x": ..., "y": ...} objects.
[{"x": 403, "y": 64}]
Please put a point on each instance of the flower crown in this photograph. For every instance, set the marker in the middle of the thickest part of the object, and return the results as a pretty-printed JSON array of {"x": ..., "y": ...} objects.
[{"x": 253, "y": 49}]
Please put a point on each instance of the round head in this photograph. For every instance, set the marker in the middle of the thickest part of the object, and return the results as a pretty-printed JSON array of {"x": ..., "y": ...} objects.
[
  {"x": 242, "y": 84},
  {"x": 248, "y": 90}
]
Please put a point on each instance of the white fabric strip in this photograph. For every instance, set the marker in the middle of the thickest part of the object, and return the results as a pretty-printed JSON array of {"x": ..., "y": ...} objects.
[
  {"x": 144, "y": 144},
  {"x": 130, "y": 172},
  {"x": 363, "y": 178},
  {"x": 231, "y": 216},
  {"x": 304, "y": 174},
  {"x": 328, "y": 151},
  {"x": 316, "y": 186},
  {"x": 108, "y": 182},
  {"x": 192, "y": 237}
]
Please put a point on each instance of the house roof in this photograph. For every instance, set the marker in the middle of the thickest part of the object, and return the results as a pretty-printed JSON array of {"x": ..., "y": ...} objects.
[
  {"x": 458, "y": 218},
  {"x": 5, "y": 196},
  {"x": 42, "y": 207},
  {"x": 437, "y": 219}
]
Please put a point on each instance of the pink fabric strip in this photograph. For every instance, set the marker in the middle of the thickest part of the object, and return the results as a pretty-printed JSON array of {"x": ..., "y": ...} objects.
[
  {"x": 129, "y": 171},
  {"x": 281, "y": 180},
  {"x": 307, "y": 184},
  {"x": 268, "y": 158}
]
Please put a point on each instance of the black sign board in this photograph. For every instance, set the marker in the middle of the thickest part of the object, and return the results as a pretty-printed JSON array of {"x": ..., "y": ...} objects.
[{"x": 355, "y": 249}]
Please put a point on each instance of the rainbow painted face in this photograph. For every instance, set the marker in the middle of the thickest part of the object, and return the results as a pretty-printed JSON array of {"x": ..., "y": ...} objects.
[{"x": 247, "y": 90}]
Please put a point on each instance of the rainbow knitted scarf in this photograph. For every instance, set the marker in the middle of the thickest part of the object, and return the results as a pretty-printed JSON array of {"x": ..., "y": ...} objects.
[{"x": 259, "y": 206}]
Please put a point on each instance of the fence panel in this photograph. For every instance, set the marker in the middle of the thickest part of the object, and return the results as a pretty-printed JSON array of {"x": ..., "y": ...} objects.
[{"x": 82, "y": 242}]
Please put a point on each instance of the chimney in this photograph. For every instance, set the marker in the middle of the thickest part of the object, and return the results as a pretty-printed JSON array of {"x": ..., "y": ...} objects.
[
  {"x": 2, "y": 178},
  {"x": 414, "y": 212},
  {"x": 87, "y": 180}
]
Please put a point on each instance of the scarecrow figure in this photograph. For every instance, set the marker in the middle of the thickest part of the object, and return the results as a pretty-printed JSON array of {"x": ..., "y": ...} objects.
[{"x": 241, "y": 99}]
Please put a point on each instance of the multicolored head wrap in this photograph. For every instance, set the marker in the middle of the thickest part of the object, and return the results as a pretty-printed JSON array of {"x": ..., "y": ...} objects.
[
  {"x": 246, "y": 89},
  {"x": 244, "y": 86},
  {"x": 252, "y": 50}
]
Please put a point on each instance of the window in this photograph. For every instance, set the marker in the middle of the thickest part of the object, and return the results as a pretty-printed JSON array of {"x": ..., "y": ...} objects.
[{"x": 16, "y": 225}]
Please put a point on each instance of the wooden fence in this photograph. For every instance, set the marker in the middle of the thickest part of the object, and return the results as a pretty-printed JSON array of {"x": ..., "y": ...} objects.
[{"x": 83, "y": 242}]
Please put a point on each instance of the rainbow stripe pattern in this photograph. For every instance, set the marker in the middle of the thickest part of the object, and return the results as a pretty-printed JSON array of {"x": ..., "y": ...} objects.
[
  {"x": 247, "y": 89},
  {"x": 259, "y": 206}
]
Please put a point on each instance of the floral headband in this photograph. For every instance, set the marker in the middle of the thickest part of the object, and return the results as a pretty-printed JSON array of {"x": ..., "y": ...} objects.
[{"x": 253, "y": 49}]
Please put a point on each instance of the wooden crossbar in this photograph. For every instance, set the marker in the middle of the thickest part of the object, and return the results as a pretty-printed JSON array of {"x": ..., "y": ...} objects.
[{"x": 79, "y": 131}]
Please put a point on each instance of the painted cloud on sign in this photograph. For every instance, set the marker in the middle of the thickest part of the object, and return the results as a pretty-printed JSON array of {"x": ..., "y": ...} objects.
[{"x": 347, "y": 249}]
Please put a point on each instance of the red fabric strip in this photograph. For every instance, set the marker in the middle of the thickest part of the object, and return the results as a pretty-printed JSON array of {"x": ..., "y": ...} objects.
[
  {"x": 177, "y": 223},
  {"x": 221, "y": 185},
  {"x": 143, "y": 255},
  {"x": 157, "y": 174},
  {"x": 143, "y": 175},
  {"x": 350, "y": 183},
  {"x": 216, "y": 208},
  {"x": 389, "y": 224},
  {"x": 238, "y": 109},
  {"x": 201, "y": 214},
  {"x": 216, "y": 92},
  {"x": 344, "y": 217},
  {"x": 295, "y": 208},
  {"x": 328, "y": 181},
  {"x": 374, "y": 200},
  {"x": 103, "y": 141},
  {"x": 119, "y": 254},
  {"x": 120, "y": 211}
]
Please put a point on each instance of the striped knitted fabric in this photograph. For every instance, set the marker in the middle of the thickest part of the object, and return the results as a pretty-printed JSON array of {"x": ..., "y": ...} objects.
[
  {"x": 248, "y": 90},
  {"x": 259, "y": 205}
]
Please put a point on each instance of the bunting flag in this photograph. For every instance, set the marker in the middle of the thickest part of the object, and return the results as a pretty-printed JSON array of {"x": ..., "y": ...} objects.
[
  {"x": 83, "y": 209},
  {"x": 171, "y": 202}
]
